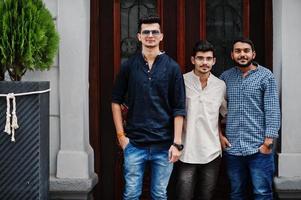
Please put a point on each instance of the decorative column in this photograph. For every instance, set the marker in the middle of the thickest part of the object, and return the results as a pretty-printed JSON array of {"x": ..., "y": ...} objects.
[
  {"x": 75, "y": 176},
  {"x": 287, "y": 27}
]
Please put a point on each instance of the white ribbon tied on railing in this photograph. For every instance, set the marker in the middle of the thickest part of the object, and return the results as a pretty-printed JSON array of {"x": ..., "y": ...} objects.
[{"x": 11, "y": 116}]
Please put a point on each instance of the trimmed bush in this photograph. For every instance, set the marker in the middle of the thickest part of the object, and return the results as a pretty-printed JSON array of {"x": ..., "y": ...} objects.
[{"x": 28, "y": 37}]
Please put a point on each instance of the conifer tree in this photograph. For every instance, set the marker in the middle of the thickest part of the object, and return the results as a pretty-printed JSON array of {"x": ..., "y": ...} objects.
[{"x": 28, "y": 37}]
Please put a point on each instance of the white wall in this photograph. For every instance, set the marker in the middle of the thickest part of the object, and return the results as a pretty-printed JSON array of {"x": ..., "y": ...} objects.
[
  {"x": 287, "y": 54},
  {"x": 75, "y": 158}
]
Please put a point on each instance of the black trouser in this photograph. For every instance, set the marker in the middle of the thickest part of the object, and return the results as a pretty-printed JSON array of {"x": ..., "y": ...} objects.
[{"x": 197, "y": 181}]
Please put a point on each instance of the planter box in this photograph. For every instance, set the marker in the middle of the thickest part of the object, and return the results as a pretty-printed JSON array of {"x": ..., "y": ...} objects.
[{"x": 24, "y": 164}]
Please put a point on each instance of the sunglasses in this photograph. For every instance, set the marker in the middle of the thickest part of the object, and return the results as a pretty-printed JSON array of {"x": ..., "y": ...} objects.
[
  {"x": 153, "y": 32},
  {"x": 202, "y": 59}
]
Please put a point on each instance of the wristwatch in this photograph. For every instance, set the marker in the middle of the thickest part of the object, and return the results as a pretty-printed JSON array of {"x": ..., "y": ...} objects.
[
  {"x": 269, "y": 146},
  {"x": 180, "y": 147}
]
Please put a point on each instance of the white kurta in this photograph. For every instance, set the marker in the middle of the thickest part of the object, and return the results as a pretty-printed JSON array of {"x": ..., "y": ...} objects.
[{"x": 201, "y": 132}]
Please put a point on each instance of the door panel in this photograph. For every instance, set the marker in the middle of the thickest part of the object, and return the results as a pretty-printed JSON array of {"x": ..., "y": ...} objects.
[
  {"x": 193, "y": 27},
  {"x": 130, "y": 12},
  {"x": 224, "y": 22},
  {"x": 218, "y": 21}
]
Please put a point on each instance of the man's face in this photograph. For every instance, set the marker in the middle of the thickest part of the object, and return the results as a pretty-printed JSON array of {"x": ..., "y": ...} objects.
[
  {"x": 242, "y": 54},
  {"x": 150, "y": 35},
  {"x": 203, "y": 62}
]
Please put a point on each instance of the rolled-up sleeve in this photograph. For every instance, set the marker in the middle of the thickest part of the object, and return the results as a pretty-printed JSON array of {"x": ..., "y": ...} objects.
[
  {"x": 271, "y": 108},
  {"x": 179, "y": 94},
  {"x": 121, "y": 85}
]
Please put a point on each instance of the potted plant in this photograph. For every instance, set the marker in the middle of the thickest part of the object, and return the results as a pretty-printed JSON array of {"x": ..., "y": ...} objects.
[{"x": 28, "y": 41}]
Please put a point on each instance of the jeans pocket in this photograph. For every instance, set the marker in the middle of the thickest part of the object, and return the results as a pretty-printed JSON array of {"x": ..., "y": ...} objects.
[
  {"x": 265, "y": 154},
  {"x": 127, "y": 146}
]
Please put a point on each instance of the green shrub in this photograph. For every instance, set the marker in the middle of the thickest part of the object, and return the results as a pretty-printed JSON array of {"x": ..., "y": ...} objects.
[{"x": 28, "y": 37}]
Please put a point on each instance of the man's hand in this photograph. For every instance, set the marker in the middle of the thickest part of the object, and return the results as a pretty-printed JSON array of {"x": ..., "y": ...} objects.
[
  {"x": 123, "y": 141},
  {"x": 224, "y": 141},
  {"x": 174, "y": 154},
  {"x": 264, "y": 148}
]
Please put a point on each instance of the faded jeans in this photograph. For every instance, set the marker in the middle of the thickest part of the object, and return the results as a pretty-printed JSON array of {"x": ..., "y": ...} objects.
[
  {"x": 259, "y": 167},
  {"x": 135, "y": 159},
  {"x": 197, "y": 181}
]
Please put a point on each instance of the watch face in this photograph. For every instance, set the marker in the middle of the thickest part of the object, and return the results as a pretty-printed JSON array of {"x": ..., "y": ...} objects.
[
  {"x": 270, "y": 146},
  {"x": 180, "y": 147}
]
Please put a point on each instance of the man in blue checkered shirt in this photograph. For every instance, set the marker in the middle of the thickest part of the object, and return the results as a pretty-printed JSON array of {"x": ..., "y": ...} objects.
[{"x": 253, "y": 122}]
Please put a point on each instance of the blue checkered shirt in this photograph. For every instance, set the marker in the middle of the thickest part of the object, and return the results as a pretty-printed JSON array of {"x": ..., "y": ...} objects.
[{"x": 253, "y": 109}]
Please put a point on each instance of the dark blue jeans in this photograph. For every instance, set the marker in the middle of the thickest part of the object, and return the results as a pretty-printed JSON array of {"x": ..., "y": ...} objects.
[
  {"x": 259, "y": 167},
  {"x": 135, "y": 159},
  {"x": 197, "y": 181}
]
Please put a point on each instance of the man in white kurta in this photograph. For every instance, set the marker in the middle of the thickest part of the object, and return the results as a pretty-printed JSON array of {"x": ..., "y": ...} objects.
[{"x": 205, "y": 101}]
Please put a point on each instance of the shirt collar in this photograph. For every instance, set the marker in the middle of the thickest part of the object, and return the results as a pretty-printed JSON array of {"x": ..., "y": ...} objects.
[
  {"x": 249, "y": 72},
  {"x": 196, "y": 78},
  {"x": 158, "y": 56}
]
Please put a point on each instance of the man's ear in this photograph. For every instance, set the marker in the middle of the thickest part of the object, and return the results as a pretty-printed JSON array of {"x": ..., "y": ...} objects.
[
  {"x": 192, "y": 60},
  {"x": 162, "y": 36},
  {"x": 254, "y": 54},
  {"x": 214, "y": 60},
  {"x": 139, "y": 36}
]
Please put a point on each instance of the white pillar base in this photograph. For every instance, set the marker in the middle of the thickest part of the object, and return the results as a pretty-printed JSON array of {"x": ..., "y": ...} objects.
[{"x": 72, "y": 189}]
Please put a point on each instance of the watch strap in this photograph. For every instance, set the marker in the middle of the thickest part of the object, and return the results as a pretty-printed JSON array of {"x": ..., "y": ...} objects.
[{"x": 180, "y": 147}]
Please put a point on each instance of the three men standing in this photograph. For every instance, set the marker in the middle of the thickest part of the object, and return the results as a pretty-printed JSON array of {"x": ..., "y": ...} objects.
[{"x": 154, "y": 88}]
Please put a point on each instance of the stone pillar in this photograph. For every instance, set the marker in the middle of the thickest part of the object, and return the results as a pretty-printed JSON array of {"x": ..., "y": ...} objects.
[
  {"x": 287, "y": 53},
  {"x": 75, "y": 175}
]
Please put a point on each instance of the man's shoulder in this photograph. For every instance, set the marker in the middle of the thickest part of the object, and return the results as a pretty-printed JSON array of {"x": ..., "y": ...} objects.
[
  {"x": 131, "y": 62},
  {"x": 188, "y": 74},
  {"x": 217, "y": 85},
  {"x": 227, "y": 73},
  {"x": 188, "y": 78},
  {"x": 169, "y": 60},
  {"x": 217, "y": 80},
  {"x": 265, "y": 70},
  {"x": 133, "y": 58}
]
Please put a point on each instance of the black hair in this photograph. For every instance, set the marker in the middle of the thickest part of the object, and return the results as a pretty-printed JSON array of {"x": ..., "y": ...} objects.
[
  {"x": 243, "y": 40},
  {"x": 203, "y": 46},
  {"x": 149, "y": 19}
]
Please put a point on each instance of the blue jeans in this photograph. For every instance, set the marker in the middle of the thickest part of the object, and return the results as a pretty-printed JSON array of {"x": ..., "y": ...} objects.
[
  {"x": 259, "y": 167},
  {"x": 135, "y": 159}
]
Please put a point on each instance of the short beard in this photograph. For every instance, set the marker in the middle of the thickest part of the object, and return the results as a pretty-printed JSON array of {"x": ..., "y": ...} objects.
[
  {"x": 151, "y": 46},
  {"x": 244, "y": 65}
]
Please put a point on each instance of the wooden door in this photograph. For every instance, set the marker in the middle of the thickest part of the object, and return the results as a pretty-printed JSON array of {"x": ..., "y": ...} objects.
[
  {"x": 113, "y": 31},
  {"x": 183, "y": 23}
]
